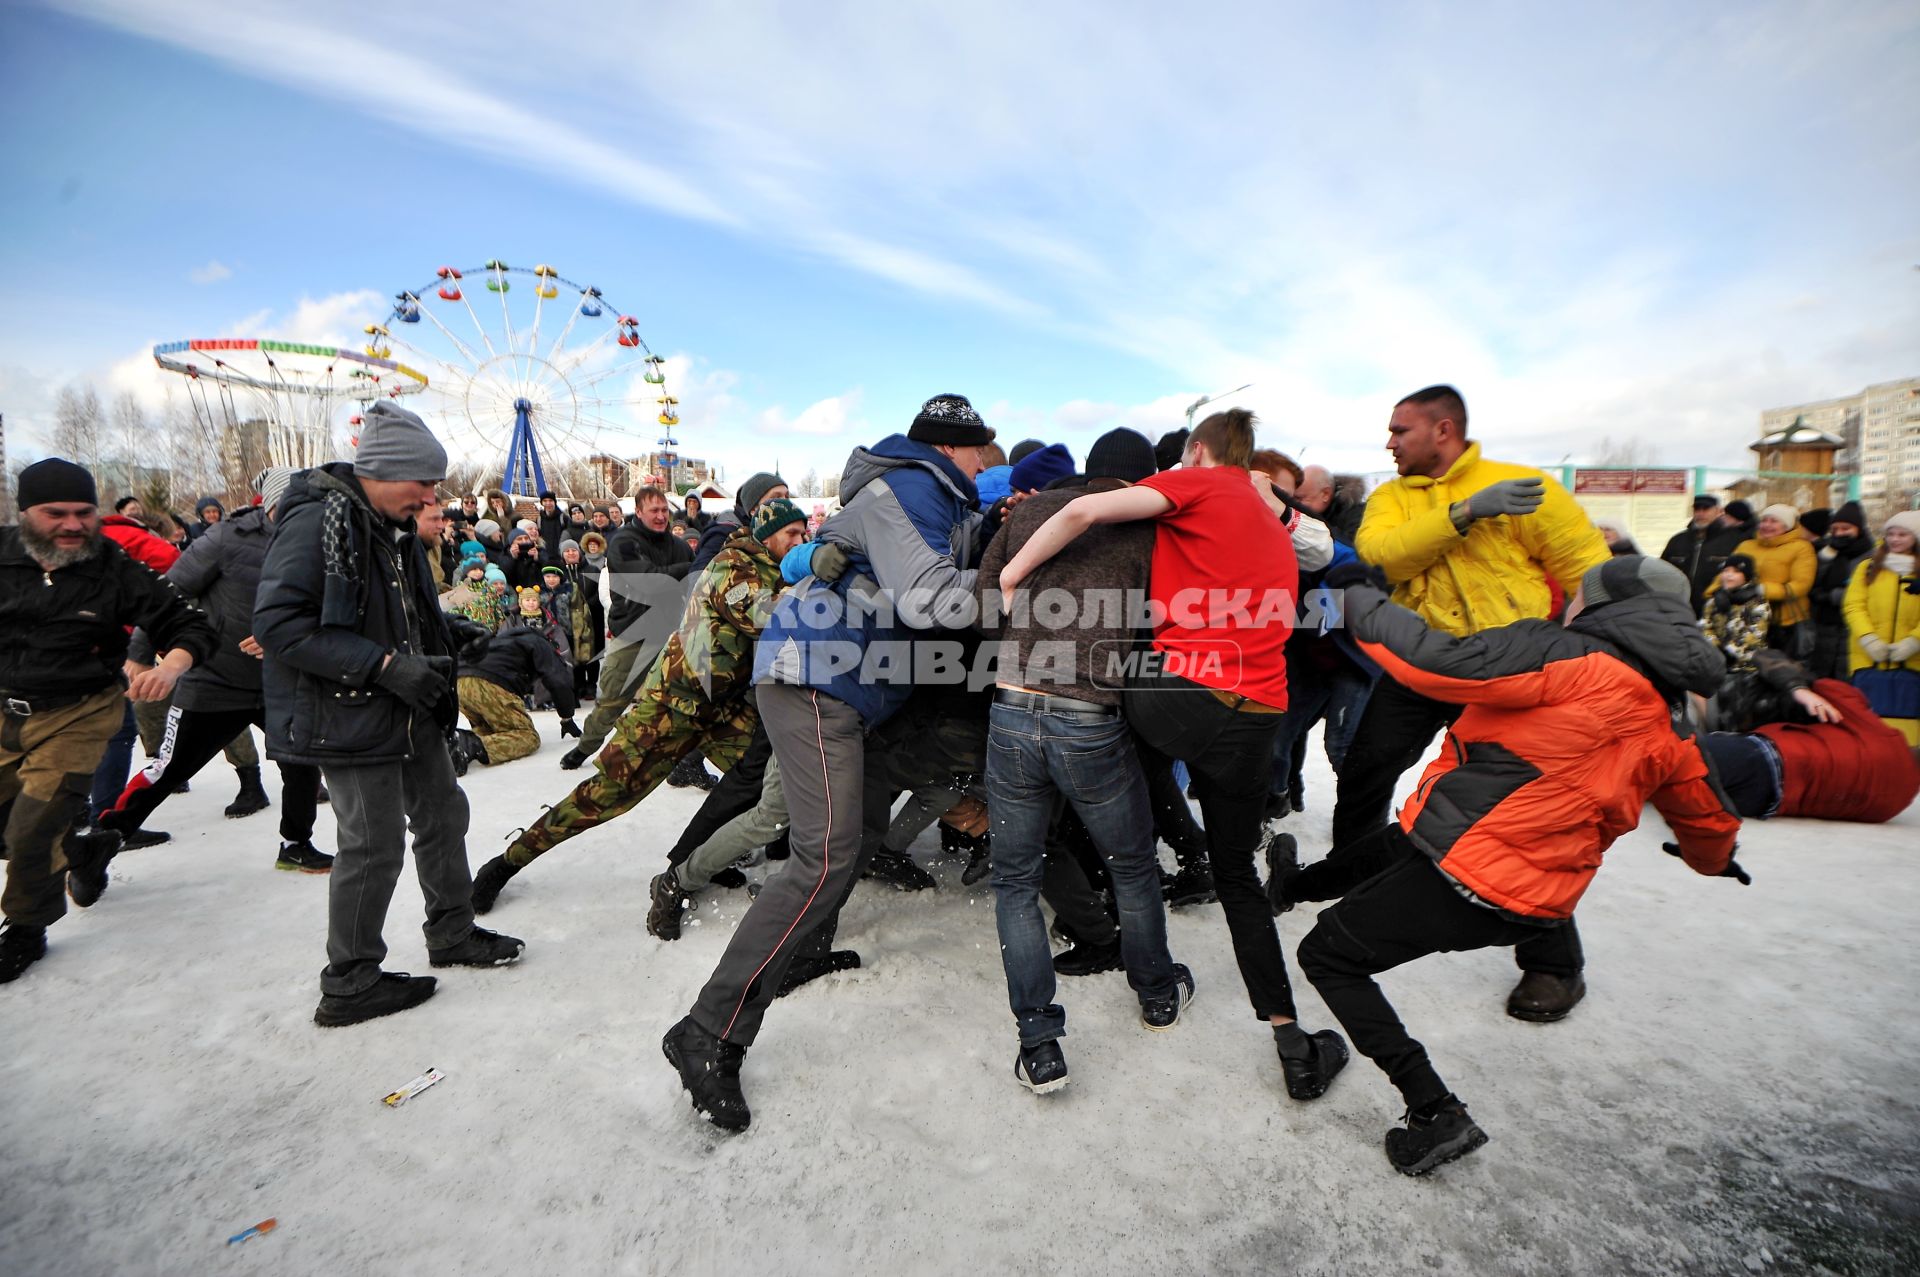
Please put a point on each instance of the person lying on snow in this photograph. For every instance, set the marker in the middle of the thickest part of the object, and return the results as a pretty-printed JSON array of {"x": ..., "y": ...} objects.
[
  {"x": 1567, "y": 734},
  {"x": 1815, "y": 749}
]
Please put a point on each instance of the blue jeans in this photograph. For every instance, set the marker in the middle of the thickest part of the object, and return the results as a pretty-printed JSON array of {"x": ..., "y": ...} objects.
[
  {"x": 111, "y": 776},
  {"x": 1338, "y": 696},
  {"x": 1035, "y": 753}
]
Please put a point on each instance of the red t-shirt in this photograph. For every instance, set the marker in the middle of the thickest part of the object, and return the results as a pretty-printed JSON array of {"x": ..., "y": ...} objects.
[{"x": 1224, "y": 569}]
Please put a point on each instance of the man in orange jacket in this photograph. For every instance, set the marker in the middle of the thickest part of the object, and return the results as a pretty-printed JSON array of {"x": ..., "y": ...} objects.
[{"x": 1566, "y": 734}]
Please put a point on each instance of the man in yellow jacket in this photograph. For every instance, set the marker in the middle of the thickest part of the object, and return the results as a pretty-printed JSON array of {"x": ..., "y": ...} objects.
[{"x": 1468, "y": 543}]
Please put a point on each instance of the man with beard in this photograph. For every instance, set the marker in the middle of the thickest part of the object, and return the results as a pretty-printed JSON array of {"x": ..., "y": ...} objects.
[{"x": 68, "y": 599}]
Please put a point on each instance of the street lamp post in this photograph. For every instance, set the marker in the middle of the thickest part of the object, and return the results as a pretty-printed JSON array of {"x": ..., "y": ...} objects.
[{"x": 1204, "y": 400}]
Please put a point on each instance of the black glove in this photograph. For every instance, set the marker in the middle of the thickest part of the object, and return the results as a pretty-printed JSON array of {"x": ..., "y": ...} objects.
[
  {"x": 420, "y": 681},
  {"x": 470, "y": 639},
  {"x": 1354, "y": 572},
  {"x": 569, "y": 728},
  {"x": 1733, "y": 869}
]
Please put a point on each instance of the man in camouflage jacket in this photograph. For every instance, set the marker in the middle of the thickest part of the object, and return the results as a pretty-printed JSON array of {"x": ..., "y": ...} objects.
[{"x": 697, "y": 695}]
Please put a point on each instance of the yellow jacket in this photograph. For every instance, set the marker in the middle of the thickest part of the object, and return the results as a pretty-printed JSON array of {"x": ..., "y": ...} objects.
[
  {"x": 1785, "y": 567},
  {"x": 1884, "y": 608},
  {"x": 1494, "y": 575}
]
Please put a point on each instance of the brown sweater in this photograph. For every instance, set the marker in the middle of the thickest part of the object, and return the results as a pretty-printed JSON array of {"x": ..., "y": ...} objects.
[{"x": 1101, "y": 572}]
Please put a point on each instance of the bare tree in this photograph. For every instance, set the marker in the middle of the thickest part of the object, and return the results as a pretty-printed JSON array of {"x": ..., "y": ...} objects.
[
  {"x": 1624, "y": 454},
  {"x": 809, "y": 483},
  {"x": 79, "y": 426}
]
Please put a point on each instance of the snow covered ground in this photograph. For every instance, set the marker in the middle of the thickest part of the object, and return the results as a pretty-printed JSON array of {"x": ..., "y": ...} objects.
[{"x": 1737, "y": 1092}]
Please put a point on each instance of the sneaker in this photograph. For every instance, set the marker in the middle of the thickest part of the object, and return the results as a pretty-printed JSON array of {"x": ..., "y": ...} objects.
[
  {"x": 1193, "y": 885},
  {"x": 691, "y": 773},
  {"x": 573, "y": 760},
  {"x": 897, "y": 870},
  {"x": 1543, "y": 998},
  {"x": 481, "y": 948},
  {"x": 1041, "y": 1068},
  {"x": 89, "y": 852},
  {"x": 1283, "y": 862},
  {"x": 394, "y": 991},
  {"x": 487, "y": 883},
  {"x": 303, "y": 857},
  {"x": 979, "y": 864},
  {"x": 1309, "y": 1078},
  {"x": 667, "y": 900},
  {"x": 20, "y": 948},
  {"x": 1087, "y": 959},
  {"x": 709, "y": 1068},
  {"x": 1433, "y": 1136},
  {"x": 1161, "y": 1014},
  {"x": 810, "y": 967},
  {"x": 144, "y": 838}
]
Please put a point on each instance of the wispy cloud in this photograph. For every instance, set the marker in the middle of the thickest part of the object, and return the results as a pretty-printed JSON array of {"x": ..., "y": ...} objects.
[{"x": 212, "y": 273}]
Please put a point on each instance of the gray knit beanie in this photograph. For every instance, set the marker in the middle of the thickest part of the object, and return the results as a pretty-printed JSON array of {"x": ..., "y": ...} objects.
[
  {"x": 1629, "y": 576},
  {"x": 396, "y": 445},
  {"x": 753, "y": 492}
]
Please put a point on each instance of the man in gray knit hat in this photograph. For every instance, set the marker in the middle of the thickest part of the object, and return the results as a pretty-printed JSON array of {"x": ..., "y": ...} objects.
[{"x": 358, "y": 677}]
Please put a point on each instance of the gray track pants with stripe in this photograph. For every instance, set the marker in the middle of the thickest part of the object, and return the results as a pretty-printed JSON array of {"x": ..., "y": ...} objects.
[{"x": 820, "y": 744}]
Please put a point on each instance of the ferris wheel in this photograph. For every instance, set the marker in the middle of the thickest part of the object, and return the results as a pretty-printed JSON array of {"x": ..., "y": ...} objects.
[{"x": 526, "y": 369}]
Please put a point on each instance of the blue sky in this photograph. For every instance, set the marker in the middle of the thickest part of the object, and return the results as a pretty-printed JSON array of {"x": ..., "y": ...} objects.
[{"x": 1640, "y": 222}]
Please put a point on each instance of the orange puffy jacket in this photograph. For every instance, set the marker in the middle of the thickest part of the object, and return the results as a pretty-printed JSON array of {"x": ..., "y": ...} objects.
[{"x": 1564, "y": 738}]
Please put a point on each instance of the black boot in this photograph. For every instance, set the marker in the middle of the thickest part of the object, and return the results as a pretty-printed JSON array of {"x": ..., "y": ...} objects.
[
  {"x": 1309, "y": 1061},
  {"x": 1283, "y": 862},
  {"x": 666, "y": 900},
  {"x": 481, "y": 948},
  {"x": 487, "y": 883},
  {"x": 144, "y": 838},
  {"x": 1434, "y": 1135},
  {"x": 709, "y": 1068},
  {"x": 807, "y": 967},
  {"x": 251, "y": 797},
  {"x": 1088, "y": 959},
  {"x": 468, "y": 749},
  {"x": 691, "y": 773},
  {"x": 89, "y": 852},
  {"x": 897, "y": 870},
  {"x": 572, "y": 760},
  {"x": 20, "y": 948},
  {"x": 1193, "y": 885}
]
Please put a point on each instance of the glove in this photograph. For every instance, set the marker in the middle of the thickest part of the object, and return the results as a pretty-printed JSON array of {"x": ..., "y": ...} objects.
[
  {"x": 968, "y": 816},
  {"x": 1875, "y": 647},
  {"x": 1509, "y": 496},
  {"x": 1733, "y": 869},
  {"x": 1354, "y": 572},
  {"x": 1903, "y": 651},
  {"x": 829, "y": 562},
  {"x": 470, "y": 639},
  {"x": 569, "y": 728},
  {"x": 420, "y": 681}
]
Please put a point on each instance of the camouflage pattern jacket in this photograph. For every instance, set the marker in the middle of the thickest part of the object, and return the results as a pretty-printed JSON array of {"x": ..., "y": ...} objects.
[{"x": 711, "y": 655}]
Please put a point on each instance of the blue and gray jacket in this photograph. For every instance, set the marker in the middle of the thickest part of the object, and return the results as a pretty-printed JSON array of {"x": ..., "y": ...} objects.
[{"x": 912, "y": 532}]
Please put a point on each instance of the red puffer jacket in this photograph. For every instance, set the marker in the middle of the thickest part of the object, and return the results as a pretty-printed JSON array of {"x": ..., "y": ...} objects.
[
  {"x": 141, "y": 545},
  {"x": 1855, "y": 769},
  {"x": 1563, "y": 741}
]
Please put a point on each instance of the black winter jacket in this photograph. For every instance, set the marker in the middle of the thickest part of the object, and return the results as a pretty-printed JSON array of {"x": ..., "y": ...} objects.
[
  {"x": 553, "y": 527},
  {"x": 222, "y": 571},
  {"x": 713, "y": 537},
  {"x": 1701, "y": 553},
  {"x": 64, "y": 633},
  {"x": 515, "y": 657},
  {"x": 323, "y": 706},
  {"x": 637, "y": 549}
]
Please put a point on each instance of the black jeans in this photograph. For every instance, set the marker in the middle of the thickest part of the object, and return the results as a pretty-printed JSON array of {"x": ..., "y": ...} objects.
[
  {"x": 737, "y": 794},
  {"x": 1548, "y": 950},
  {"x": 1395, "y": 729},
  {"x": 1393, "y": 918},
  {"x": 1229, "y": 752}
]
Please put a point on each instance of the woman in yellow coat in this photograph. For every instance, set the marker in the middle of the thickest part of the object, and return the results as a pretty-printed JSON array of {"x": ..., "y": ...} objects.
[
  {"x": 1785, "y": 566},
  {"x": 1882, "y": 608}
]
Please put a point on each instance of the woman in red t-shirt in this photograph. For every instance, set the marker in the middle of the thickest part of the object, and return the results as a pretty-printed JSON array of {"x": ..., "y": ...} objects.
[{"x": 1214, "y": 686}]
